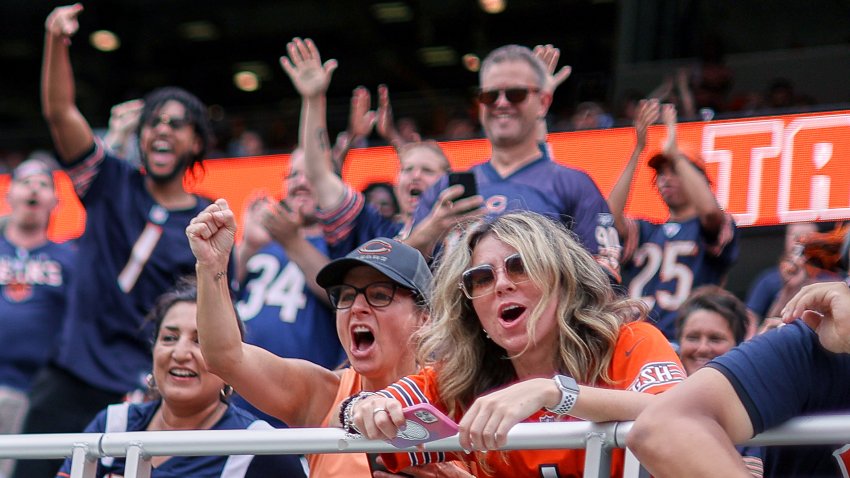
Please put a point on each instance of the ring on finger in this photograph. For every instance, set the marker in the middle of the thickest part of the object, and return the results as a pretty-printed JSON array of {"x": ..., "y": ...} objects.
[{"x": 377, "y": 410}]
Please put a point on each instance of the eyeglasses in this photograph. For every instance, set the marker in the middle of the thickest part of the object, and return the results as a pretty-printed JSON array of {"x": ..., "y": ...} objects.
[
  {"x": 480, "y": 281},
  {"x": 513, "y": 95},
  {"x": 377, "y": 294},
  {"x": 170, "y": 121}
]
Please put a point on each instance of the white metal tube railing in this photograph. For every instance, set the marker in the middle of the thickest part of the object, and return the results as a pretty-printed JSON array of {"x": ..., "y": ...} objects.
[{"x": 138, "y": 447}]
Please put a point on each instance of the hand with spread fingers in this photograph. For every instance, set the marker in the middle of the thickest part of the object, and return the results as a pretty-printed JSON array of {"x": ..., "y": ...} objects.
[
  {"x": 825, "y": 307},
  {"x": 282, "y": 223},
  {"x": 647, "y": 114},
  {"x": 211, "y": 234},
  {"x": 305, "y": 68},
  {"x": 361, "y": 119},
  {"x": 550, "y": 55}
]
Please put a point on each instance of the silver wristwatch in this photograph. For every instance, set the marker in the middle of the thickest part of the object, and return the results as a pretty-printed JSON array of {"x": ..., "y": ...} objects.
[{"x": 569, "y": 394}]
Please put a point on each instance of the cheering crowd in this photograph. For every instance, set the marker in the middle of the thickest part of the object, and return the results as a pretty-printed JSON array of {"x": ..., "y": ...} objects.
[{"x": 531, "y": 298}]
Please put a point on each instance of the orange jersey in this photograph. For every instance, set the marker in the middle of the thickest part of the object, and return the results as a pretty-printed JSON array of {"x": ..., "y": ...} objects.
[{"x": 643, "y": 361}]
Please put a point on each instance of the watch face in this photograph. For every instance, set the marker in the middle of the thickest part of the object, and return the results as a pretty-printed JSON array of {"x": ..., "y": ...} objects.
[{"x": 566, "y": 383}]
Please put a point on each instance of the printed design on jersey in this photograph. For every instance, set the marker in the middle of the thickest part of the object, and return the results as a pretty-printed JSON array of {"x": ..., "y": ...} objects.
[
  {"x": 608, "y": 244},
  {"x": 274, "y": 286},
  {"x": 143, "y": 248},
  {"x": 654, "y": 374},
  {"x": 19, "y": 274},
  {"x": 842, "y": 456},
  {"x": 84, "y": 173},
  {"x": 671, "y": 229},
  {"x": 408, "y": 393},
  {"x": 496, "y": 204},
  {"x": 665, "y": 264}
]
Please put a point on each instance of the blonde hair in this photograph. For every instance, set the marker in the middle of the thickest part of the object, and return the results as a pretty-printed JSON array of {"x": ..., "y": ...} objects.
[
  {"x": 427, "y": 144},
  {"x": 589, "y": 314}
]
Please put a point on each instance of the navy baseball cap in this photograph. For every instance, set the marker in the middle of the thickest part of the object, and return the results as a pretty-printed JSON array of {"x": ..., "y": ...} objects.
[
  {"x": 403, "y": 264},
  {"x": 32, "y": 167}
]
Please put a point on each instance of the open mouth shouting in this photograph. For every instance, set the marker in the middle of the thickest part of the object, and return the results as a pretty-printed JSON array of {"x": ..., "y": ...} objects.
[
  {"x": 362, "y": 340},
  {"x": 509, "y": 313}
]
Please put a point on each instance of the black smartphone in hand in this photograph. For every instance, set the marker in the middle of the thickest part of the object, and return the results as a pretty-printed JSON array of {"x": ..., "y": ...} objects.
[{"x": 467, "y": 180}]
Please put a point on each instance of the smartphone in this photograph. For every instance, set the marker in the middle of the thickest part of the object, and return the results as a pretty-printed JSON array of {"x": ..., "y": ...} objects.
[
  {"x": 467, "y": 180},
  {"x": 424, "y": 423}
]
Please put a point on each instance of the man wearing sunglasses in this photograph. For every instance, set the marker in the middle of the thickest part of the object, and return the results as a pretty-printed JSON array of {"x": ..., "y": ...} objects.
[
  {"x": 133, "y": 249},
  {"x": 520, "y": 174}
]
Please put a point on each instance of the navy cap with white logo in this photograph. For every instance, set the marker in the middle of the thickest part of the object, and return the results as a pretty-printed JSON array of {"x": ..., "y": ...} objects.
[{"x": 403, "y": 264}]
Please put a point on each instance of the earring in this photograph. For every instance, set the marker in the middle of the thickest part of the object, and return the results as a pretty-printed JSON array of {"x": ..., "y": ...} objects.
[
  {"x": 226, "y": 392},
  {"x": 486, "y": 335},
  {"x": 151, "y": 382}
]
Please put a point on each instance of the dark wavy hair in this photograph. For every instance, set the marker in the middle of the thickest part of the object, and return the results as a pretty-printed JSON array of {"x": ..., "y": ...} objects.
[
  {"x": 196, "y": 113},
  {"x": 718, "y": 300},
  {"x": 185, "y": 290}
]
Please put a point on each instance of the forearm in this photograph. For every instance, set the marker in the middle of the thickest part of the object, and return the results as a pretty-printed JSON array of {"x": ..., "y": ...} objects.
[
  {"x": 672, "y": 450},
  {"x": 696, "y": 186},
  {"x": 605, "y": 405},
  {"x": 309, "y": 259},
  {"x": 317, "y": 151},
  {"x": 218, "y": 329},
  {"x": 71, "y": 133},
  {"x": 620, "y": 194}
]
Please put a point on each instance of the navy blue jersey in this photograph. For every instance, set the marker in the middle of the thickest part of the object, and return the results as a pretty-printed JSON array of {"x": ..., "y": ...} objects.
[
  {"x": 662, "y": 263},
  {"x": 136, "y": 417},
  {"x": 764, "y": 290},
  {"x": 283, "y": 316},
  {"x": 131, "y": 252},
  {"x": 354, "y": 222},
  {"x": 34, "y": 287},
  {"x": 548, "y": 188},
  {"x": 782, "y": 374}
]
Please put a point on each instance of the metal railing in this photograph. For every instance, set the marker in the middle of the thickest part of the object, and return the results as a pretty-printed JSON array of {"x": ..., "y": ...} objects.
[{"x": 598, "y": 439}]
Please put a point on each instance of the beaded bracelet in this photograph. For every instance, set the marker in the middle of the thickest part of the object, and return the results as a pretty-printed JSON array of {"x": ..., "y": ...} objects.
[{"x": 345, "y": 413}]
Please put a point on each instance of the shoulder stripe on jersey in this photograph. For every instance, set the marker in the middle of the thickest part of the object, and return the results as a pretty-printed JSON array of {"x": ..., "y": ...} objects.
[
  {"x": 338, "y": 223},
  {"x": 83, "y": 174},
  {"x": 414, "y": 387}
]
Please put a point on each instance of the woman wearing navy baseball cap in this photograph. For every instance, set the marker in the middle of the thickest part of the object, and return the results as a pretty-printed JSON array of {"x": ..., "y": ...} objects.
[{"x": 380, "y": 292}]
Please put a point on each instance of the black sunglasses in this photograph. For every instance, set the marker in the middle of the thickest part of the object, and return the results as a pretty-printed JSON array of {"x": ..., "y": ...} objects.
[
  {"x": 513, "y": 95},
  {"x": 481, "y": 280},
  {"x": 377, "y": 294},
  {"x": 170, "y": 121}
]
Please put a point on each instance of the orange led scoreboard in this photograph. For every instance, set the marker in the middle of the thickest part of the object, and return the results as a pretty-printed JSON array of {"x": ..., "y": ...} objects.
[{"x": 765, "y": 170}]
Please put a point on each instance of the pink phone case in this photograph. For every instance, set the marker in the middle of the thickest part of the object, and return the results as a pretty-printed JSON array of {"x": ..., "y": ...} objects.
[{"x": 424, "y": 423}]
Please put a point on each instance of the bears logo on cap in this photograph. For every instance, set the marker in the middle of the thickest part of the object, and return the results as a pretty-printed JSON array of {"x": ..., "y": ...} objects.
[{"x": 375, "y": 248}]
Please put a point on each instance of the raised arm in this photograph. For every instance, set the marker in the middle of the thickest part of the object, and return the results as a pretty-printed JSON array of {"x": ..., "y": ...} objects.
[
  {"x": 284, "y": 225},
  {"x": 311, "y": 78},
  {"x": 384, "y": 120},
  {"x": 694, "y": 182},
  {"x": 296, "y": 391},
  {"x": 647, "y": 113},
  {"x": 361, "y": 120},
  {"x": 123, "y": 120},
  {"x": 72, "y": 135},
  {"x": 550, "y": 55}
]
